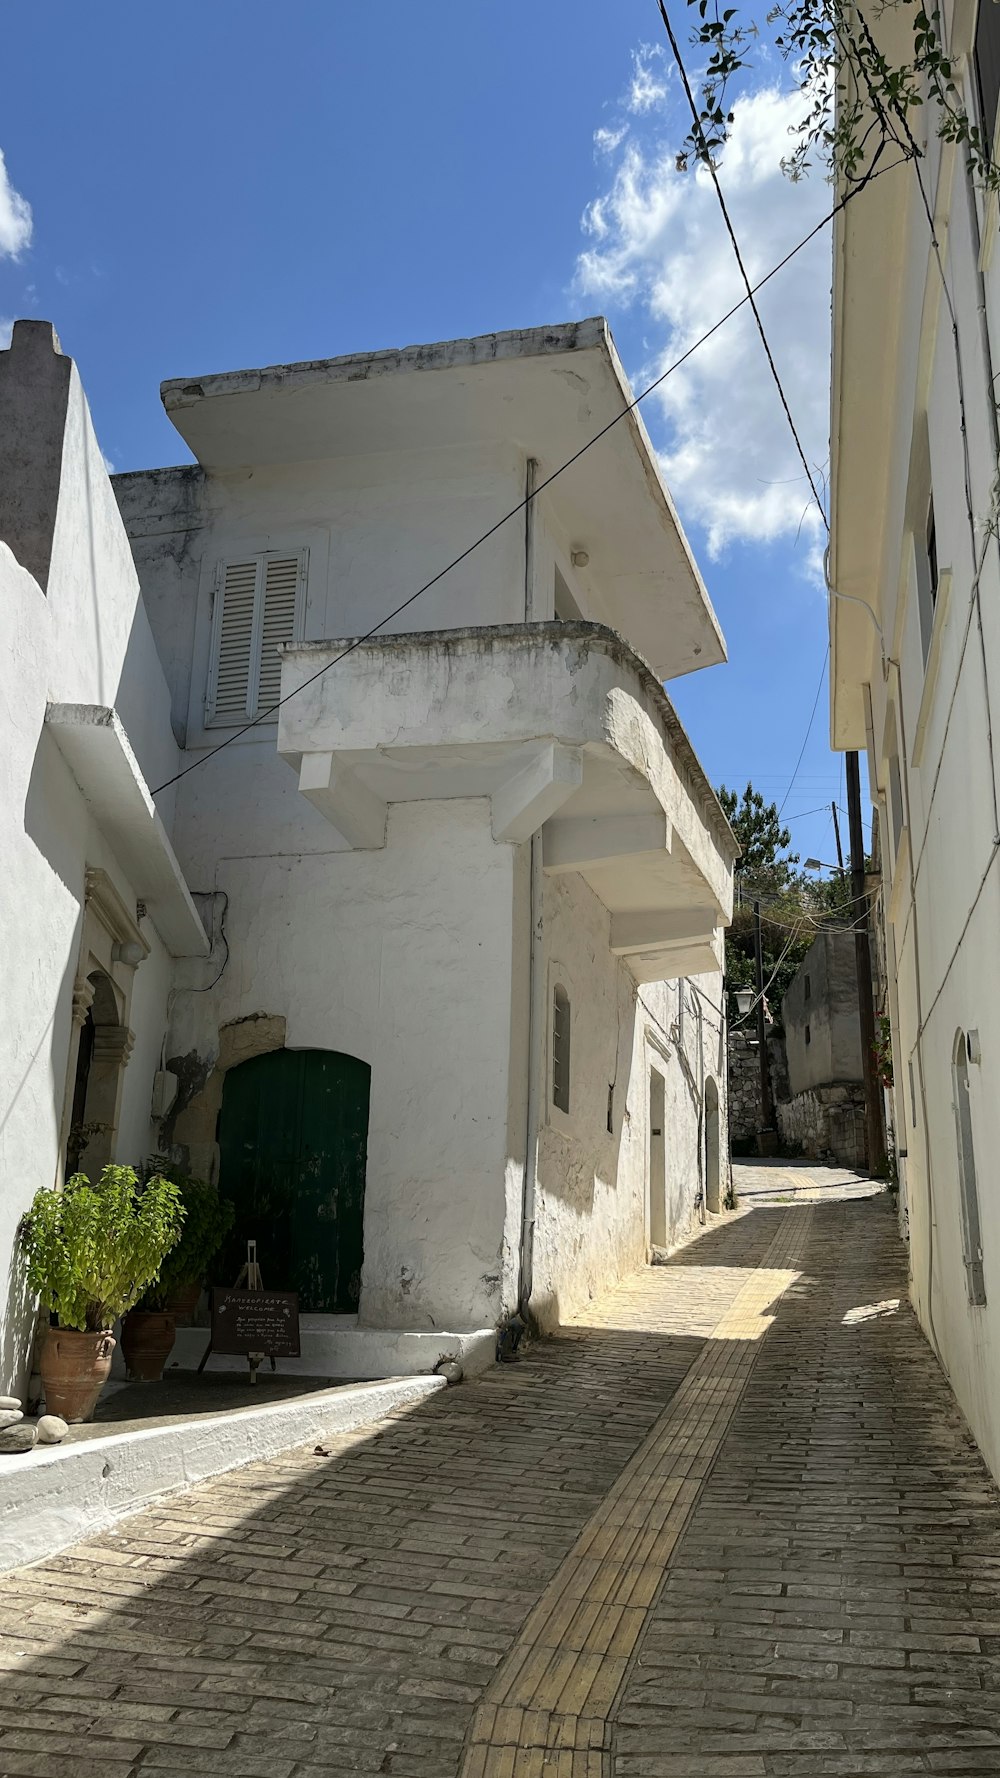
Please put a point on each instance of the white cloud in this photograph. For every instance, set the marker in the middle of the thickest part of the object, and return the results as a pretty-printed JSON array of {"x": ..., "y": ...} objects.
[
  {"x": 15, "y": 217},
  {"x": 649, "y": 83},
  {"x": 658, "y": 243},
  {"x": 606, "y": 141}
]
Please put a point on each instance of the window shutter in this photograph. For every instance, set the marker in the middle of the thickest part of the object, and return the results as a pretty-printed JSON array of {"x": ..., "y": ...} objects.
[
  {"x": 234, "y": 642},
  {"x": 281, "y": 583},
  {"x": 258, "y": 608}
]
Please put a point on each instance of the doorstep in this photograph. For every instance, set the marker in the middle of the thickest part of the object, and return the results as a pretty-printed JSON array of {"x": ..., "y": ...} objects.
[
  {"x": 335, "y": 1346},
  {"x": 55, "y": 1495}
]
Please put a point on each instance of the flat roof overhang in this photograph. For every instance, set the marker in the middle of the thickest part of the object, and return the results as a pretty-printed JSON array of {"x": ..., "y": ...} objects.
[
  {"x": 95, "y": 746},
  {"x": 545, "y": 390}
]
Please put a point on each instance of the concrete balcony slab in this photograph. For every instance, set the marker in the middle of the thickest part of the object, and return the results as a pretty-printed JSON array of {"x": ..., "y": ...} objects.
[{"x": 563, "y": 727}]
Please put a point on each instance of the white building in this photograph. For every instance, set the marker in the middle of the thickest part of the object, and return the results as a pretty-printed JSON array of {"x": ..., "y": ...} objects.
[
  {"x": 916, "y": 677},
  {"x": 438, "y": 1045}
]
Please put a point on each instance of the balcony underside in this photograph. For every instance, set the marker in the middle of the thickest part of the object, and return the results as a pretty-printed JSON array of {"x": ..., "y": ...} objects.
[{"x": 564, "y": 731}]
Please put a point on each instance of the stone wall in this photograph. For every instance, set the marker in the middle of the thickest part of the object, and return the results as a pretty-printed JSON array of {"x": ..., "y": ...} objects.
[
  {"x": 744, "y": 1080},
  {"x": 827, "y": 1123}
]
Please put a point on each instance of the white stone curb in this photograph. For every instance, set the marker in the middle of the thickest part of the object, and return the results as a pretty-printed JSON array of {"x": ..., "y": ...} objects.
[{"x": 53, "y": 1496}]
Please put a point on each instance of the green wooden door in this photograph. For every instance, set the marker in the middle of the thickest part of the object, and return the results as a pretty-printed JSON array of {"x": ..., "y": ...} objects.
[{"x": 293, "y": 1135}]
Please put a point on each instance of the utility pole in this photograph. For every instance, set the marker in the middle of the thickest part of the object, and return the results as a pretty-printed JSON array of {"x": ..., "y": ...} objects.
[
  {"x": 874, "y": 1108},
  {"x": 766, "y": 1101},
  {"x": 836, "y": 831}
]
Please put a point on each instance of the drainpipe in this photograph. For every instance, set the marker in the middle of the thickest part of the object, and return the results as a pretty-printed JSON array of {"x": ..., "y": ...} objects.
[{"x": 536, "y": 961}]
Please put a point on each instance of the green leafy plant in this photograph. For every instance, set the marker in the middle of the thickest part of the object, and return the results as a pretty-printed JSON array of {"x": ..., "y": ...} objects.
[
  {"x": 207, "y": 1221},
  {"x": 882, "y": 1049},
  {"x": 93, "y": 1249},
  {"x": 856, "y": 100}
]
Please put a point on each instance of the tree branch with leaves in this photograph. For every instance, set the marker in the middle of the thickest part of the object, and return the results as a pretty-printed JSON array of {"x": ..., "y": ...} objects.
[{"x": 856, "y": 101}]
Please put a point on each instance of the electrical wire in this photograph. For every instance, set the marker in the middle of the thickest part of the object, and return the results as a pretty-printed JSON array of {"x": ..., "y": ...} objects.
[
  {"x": 805, "y": 742},
  {"x": 755, "y": 1002},
  {"x": 874, "y": 172}
]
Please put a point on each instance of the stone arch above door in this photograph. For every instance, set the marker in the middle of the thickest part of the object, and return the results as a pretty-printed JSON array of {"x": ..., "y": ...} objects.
[{"x": 191, "y": 1127}]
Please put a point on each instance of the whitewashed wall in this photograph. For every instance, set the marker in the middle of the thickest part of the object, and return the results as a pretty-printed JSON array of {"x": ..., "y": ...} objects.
[
  {"x": 943, "y": 882},
  {"x": 401, "y": 957},
  {"x": 593, "y": 1223},
  {"x": 84, "y": 641}
]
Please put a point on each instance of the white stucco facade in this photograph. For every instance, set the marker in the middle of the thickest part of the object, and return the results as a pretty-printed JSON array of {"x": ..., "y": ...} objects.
[
  {"x": 915, "y": 681},
  {"x": 77, "y": 644},
  {"x": 488, "y": 799}
]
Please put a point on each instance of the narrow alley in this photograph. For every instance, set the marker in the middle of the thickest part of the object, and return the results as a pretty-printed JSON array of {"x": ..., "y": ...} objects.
[{"x": 732, "y": 1527}]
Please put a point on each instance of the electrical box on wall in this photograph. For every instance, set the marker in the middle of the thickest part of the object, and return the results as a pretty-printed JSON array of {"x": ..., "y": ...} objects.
[{"x": 164, "y": 1093}]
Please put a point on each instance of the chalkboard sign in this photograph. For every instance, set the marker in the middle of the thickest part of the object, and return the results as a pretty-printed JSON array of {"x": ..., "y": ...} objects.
[{"x": 255, "y": 1321}]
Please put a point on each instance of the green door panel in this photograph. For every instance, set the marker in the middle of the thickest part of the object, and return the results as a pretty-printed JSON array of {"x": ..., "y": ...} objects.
[{"x": 293, "y": 1138}]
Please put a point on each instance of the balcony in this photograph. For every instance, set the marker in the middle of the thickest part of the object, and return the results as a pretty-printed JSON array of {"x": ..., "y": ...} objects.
[{"x": 563, "y": 728}]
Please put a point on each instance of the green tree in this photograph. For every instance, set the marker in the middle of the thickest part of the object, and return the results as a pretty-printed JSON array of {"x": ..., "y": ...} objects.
[
  {"x": 765, "y": 865},
  {"x": 793, "y": 905}
]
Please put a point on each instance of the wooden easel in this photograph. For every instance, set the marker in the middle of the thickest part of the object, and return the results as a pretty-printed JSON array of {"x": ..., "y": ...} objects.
[{"x": 249, "y": 1279}]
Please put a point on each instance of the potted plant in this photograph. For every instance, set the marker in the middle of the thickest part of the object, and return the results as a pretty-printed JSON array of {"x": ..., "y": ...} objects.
[
  {"x": 149, "y": 1330},
  {"x": 91, "y": 1251}
]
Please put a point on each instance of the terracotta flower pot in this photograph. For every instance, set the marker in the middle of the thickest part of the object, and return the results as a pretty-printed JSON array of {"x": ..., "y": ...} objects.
[
  {"x": 147, "y": 1341},
  {"x": 74, "y": 1369},
  {"x": 184, "y": 1300}
]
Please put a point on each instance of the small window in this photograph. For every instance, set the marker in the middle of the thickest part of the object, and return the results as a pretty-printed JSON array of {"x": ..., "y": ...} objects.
[
  {"x": 560, "y": 1047},
  {"x": 972, "y": 1241},
  {"x": 986, "y": 56},
  {"x": 895, "y": 803},
  {"x": 913, "y": 1096},
  {"x": 611, "y": 1109},
  {"x": 808, "y": 989},
  {"x": 566, "y": 608},
  {"x": 928, "y": 573},
  {"x": 808, "y": 1035},
  {"x": 258, "y": 605}
]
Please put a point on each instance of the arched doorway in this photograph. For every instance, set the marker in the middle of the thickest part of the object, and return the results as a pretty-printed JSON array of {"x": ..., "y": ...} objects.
[
  {"x": 713, "y": 1156},
  {"x": 293, "y": 1140},
  {"x": 104, "y": 1047}
]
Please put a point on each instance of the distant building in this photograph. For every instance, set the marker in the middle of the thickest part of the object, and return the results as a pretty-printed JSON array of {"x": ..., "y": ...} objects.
[
  {"x": 915, "y": 674},
  {"x": 424, "y": 966},
  {"x": 824, "y": 1112}
]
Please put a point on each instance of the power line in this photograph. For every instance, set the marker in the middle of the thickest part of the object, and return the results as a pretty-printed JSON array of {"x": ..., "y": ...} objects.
[
  {"x": 802, "y": 813},
  {"x": 805, "y": 743},
  {"x": 709, "y": 162},
  {"x": 874, "y": 172}
]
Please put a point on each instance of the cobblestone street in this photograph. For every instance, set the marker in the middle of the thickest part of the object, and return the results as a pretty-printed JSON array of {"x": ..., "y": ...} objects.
[{"x": 732, "y": 1527}]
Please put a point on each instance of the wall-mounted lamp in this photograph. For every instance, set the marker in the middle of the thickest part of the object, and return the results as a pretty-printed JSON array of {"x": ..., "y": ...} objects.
[
  {"x": 129, "y": 952},
  {"x": 579, "y": 558}
]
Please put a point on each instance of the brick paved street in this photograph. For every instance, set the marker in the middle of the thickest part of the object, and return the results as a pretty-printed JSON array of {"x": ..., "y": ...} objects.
[{"x": 732, "y": 1527}]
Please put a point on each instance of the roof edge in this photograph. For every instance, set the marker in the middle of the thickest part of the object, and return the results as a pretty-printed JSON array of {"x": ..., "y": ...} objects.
[{"x": 485, "y": 348}]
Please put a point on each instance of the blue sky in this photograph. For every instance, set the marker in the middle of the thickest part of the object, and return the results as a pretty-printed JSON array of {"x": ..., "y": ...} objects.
[{"x": 229, "y": 182}]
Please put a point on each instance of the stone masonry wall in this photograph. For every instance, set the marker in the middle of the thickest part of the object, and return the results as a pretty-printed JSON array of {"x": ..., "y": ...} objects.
[{"x": 826, "y": 1123}]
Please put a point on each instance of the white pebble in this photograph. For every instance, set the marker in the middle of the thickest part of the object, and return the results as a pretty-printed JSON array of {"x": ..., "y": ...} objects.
[
  {"x": 51, "y": 1429},
  {"x": 10, "y": 1401},
  {"x": 10, "y": 1417}
]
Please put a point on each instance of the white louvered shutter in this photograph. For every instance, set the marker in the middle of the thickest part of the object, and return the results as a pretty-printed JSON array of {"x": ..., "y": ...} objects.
[
  {"x": 281, "y": 584},
  {"x": 259, "y": 607},
  {"x": 234, "y": 642}
]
